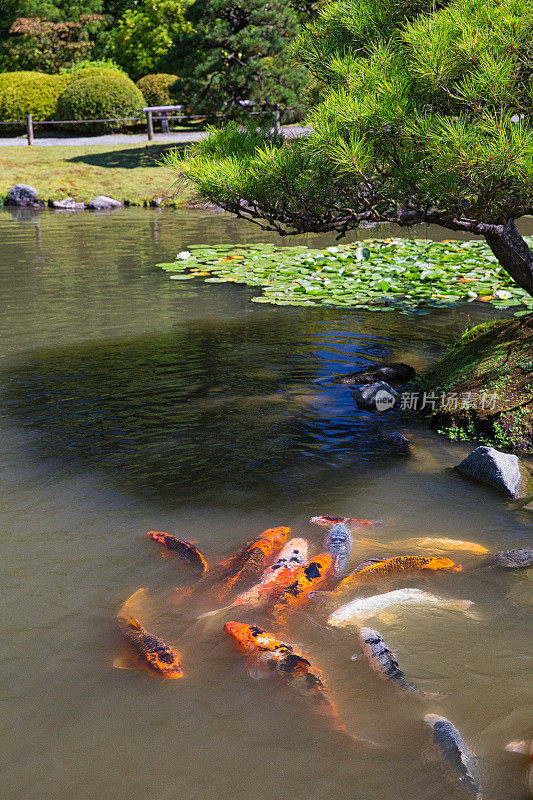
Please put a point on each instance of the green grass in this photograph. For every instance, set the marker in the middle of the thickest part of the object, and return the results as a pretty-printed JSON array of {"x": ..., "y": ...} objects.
[{"x": 129, "y": 173}]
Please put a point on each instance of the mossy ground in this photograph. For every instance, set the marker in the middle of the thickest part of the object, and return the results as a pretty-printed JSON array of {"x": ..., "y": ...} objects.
[
  {"x": 495, "y": 358},
  {"x": 129, "y": 173}
]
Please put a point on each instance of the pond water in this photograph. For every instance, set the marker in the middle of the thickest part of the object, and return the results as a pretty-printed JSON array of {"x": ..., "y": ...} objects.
[{"x": 132, "y": 402}]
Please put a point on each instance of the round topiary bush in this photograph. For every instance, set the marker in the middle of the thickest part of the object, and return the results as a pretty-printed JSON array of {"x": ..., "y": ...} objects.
[
  {"x": 24, "y": 93},
  {"x": 157, "y": 89},
  {"x": 100, "y": 97},
  {"x": 91, "y": 69}
]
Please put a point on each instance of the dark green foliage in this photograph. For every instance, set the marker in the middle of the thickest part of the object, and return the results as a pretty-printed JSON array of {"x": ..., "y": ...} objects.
[
  {"x": 238, "y": 58},
  {"x": 158, "y": 89},
  {"x": 28, "y": 92},
  {"x": 104, "y": 97},
  {"x": 423, "y": 116}
]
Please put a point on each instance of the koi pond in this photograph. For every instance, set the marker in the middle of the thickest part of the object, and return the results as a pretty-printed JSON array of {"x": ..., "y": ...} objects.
[{"x": 131, "y": 402}]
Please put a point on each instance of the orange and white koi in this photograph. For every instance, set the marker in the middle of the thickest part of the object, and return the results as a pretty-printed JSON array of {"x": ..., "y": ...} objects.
[
  {"x": 151, "y": 652},
  {"x": 278, "y": 575},
  {"x": 308, "y": 578},
  {"x": 252, "y": 560},
  {"x": 185, "y": 550},
  {"x": 326, "y": 521},
  {"x": 374, "y": 568}
]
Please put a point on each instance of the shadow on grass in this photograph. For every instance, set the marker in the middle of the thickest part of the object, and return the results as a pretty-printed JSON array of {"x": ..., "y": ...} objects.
[{"x": 132, "y": 158}]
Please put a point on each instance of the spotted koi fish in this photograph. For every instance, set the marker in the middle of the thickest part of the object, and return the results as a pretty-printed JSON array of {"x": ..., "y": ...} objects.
[
  {"x": 278, "y": 575},
  {"x": 266, "y": 651},
  {"x": 252, "y": 560},
  {"x": 327, "y": 521},
  {"x": 184, "y": 549},
  {"x": 374, "y": 568},
  {"x": 383, "y": 661},
  {"x": 307, "y": 579},
  {"x": 150, "y": 652}
]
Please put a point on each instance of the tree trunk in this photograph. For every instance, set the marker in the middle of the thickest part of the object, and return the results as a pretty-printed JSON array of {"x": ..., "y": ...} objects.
[{"x": 513, "y": 254}]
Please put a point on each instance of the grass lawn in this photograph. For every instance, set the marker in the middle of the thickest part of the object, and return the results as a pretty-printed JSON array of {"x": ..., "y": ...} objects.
[{"x": 126, "y": 172}]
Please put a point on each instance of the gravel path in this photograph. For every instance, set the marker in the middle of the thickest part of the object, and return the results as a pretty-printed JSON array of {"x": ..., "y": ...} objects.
[{"x": 121, "y": 138}]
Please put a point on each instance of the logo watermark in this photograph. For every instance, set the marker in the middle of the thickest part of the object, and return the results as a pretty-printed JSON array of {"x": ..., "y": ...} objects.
[{"x": 447, "y": 401}]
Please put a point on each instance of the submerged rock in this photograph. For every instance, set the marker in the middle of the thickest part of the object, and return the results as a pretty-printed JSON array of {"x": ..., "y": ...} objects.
[
  {"x": 23, "y": 195},
  {"x": 375, "y": 396},
  {"x": 394, "y": 373},
  {"x": 396, "y": 440},
  {"x": 68, "y": 203},
  {"x": 102, "y": 201},
  {"x": 519, "y": 558},
  {"x": 500, "y": 470}
]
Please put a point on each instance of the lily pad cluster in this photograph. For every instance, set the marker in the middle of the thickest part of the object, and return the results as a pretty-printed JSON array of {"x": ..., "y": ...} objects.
[{"x": 412, "y": 275}]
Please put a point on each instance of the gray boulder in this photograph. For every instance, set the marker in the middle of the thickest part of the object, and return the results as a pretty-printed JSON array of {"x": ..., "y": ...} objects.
[
  {"x": 519, "y": 558},
  {"x": 102, "y": 201},
  {"x": 22, "y": 195},
  {"x": 68, "y": 203},
  {"x": 377, "y": 396},
  {"x": 500, "y": 470},
  {"x": 394, "y": 373}
]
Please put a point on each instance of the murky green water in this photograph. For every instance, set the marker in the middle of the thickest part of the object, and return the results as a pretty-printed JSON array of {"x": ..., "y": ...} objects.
[{"x": 132, "y": 402}]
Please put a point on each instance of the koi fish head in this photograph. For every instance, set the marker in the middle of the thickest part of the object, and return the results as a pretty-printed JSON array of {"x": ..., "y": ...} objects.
[
  {"x": 318, "y": 567},
  {"x": 439, "y": 562},
  {"x": 294, "y": 552},
  {"x": 166, "y": 662},
  {"x": 276, "y": 536},
  {"x": 242, "y": 635}
]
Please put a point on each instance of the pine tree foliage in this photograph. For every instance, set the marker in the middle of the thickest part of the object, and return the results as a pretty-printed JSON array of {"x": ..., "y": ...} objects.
[{"x": 424, "y": 114}]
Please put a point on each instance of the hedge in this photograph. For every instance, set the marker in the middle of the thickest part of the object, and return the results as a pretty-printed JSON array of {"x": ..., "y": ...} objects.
[
  {"x": 157, "y": 89},
  {"x": 25, "y": 92},
  {"x": 100, "y": 97}
]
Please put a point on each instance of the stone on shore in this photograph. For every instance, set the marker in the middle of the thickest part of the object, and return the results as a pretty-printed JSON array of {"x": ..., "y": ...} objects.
[
  {"x": 68, "y": 203},
  {"x": 23, "y": 195},
  {"x": 503, "y": 471},
  {"x": 519, "y": 558},
  {"x": 394, "y": 373},
  {"x": 377, "y": 396},
  {"x": 102, "y": 201}
]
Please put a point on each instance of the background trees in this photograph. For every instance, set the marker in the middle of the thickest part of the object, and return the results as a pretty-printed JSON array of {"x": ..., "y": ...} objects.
[
  {"x": 423, "y": 115},
  {"x": 237, "y": 58}
]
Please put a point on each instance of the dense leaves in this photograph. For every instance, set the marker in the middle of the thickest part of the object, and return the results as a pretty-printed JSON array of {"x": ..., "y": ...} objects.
[
  {"x": 412, "y": 275},
  {"x": 28, "y": 92},
  {"x": 100, "y": 97},
  {"x": 237, "y": 59}
]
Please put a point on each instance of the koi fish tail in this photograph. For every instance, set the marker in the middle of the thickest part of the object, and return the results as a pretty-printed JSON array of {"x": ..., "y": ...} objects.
[
  {"x": 182, "y": 593},
  {"x": 466, "y": 607},
  {"x": 215, "y": 612},
  {"x": 132, "y": 606}
]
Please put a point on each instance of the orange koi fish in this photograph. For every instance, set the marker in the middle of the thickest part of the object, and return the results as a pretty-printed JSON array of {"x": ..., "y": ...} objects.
[
  {"x": 307, "y": 579},
  {"x": 252, "y": 559},
  {"x": 327, "y": 521},
  {"x": 278, "y": 575},
  {"x": 150, "y": 652},
  {"x": 184, "y": 549},
  {"x": 266, "y": 651},
  {"x": 443, "y": 543},
  {"x": 374, "y": 568}
]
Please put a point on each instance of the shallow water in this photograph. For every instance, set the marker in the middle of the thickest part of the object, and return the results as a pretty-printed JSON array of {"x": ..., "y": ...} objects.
[{"x": 132, "y": 402}]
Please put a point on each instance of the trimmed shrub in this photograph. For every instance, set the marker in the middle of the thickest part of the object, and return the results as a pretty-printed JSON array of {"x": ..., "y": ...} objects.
[
  {"x": 97, "y": 67},
  {"x": 157, "y": 89},
  {"x": 100, "y": 97},
  {"x": 25, "y": 92}
]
